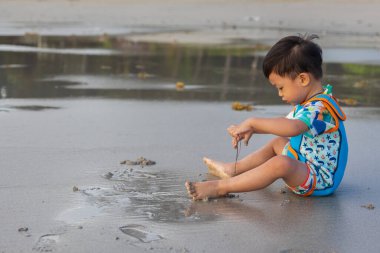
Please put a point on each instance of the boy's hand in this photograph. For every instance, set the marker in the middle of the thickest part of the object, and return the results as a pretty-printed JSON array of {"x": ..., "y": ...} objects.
[{"x": 240, "y": 132}]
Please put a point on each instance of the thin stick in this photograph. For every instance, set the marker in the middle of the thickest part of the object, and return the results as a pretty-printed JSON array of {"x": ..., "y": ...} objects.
[{"x": 238, "y": 149}]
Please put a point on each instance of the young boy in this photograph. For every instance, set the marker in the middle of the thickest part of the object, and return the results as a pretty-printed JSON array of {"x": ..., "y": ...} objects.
[{"x": 310, "y": 152}]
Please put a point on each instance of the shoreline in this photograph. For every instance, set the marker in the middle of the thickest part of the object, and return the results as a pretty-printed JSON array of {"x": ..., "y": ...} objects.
[{"x": 343, "y": 23}]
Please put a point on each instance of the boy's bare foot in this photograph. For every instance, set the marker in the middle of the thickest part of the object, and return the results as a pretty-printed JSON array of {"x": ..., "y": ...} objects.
[
  {"x": 203, "y": 190},
  {"x": 219, "y": 169}
]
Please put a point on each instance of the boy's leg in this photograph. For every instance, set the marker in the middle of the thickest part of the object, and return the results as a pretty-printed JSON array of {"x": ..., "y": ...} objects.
[
  {"x": 293, "y": 172},
  {"x": 226, "y": 170}
]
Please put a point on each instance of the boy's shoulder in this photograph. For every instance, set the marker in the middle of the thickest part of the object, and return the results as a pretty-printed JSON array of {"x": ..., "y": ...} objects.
[
  {"x": 309, "y": 107},
  {"x": 328, "y": 104}
]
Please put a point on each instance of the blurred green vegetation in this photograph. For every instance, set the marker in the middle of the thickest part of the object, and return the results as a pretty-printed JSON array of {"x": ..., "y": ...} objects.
[{"x": 364, "y": 70}]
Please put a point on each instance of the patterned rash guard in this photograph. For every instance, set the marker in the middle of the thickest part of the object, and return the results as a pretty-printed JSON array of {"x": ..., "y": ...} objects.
[{"x": 320, "y": 146}]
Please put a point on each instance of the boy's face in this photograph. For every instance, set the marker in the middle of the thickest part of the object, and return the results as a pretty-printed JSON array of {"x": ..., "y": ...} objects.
[{"x": 292, "y": 91}]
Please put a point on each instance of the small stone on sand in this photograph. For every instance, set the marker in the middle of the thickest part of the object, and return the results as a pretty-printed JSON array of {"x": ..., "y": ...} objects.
[
  {"x": 140, "y": 161},
  {"x": 128, "y": 162},
  {"x": 75, "y": 189},
  {"x": 237, "y": 106},
  {"x": 368, "y": 206},
  {"x": 108, "y": 175},
  {"x": 179, "y": 86},
  {"x": 24, "y": 229}
]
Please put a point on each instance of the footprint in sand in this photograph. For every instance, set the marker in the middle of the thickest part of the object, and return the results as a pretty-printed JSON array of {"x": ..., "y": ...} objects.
[
  {"x": 46, "y": 243},
  {"x": 128, "y": 174},
  {"x": 139, "y": 232}
]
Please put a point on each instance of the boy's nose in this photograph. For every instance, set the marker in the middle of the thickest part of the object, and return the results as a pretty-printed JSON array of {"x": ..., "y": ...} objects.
[{"x": 280, "y": 93}]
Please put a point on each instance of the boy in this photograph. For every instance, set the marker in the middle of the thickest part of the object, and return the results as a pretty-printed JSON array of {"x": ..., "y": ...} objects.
[{"x": 310, "y": 152}]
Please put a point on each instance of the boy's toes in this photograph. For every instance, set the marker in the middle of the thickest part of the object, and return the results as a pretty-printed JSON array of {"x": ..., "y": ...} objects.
[{"x": 190, "y": 188}]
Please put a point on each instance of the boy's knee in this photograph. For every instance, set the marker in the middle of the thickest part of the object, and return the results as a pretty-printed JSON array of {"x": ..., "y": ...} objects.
[
  {"x": 278, "y": 144},
  {"x": 283, "y": 165},
  {"x": 280, "y": 140}
]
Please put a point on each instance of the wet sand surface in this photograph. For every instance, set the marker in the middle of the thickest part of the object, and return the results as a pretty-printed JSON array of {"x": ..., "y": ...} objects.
[
  {"x": 119, "y": 207},
  {"x": 85, "y": 86}
]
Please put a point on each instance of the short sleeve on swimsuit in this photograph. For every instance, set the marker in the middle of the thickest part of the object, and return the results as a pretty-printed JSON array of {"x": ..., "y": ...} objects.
[{"x": 314, "y": 115}]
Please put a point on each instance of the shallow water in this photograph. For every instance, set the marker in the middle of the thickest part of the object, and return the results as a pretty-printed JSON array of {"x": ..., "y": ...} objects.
[{"x": 33, "y": 66}]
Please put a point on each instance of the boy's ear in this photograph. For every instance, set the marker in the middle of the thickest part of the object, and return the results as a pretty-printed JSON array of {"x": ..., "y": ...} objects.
[{"x": 304, "y": 79}]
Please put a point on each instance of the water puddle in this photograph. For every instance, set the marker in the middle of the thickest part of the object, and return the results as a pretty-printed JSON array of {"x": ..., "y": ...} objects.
[
  {"x": 34, "y": 66},
  {"x": 153, "y": 195},
  {"x": 65, "y": 51},
  {"x": 34, "y": 107}
]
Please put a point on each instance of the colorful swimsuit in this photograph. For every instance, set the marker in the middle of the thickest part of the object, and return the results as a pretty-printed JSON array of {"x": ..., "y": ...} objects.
[{"x": 323, "y": 148}]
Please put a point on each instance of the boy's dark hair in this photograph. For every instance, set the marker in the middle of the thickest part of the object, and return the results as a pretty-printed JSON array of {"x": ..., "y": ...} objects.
[{"x": 293, "y": 55}]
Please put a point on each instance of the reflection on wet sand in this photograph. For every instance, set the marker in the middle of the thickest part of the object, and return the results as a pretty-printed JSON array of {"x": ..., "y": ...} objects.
[
  {"x": 34, "y": 107},
  {"x": 146, "y": 193},
  {"x": 274, "y": 214},
  {"x": 33, "y": 66},
  {"x": 223, "y": 209},
  {"x": 160, "y": 197}
]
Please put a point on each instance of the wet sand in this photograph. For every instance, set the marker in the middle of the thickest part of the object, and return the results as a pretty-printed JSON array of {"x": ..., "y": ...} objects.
[
  {"x": 48, "y": 152},
  {"x": 63, "y": 188}
]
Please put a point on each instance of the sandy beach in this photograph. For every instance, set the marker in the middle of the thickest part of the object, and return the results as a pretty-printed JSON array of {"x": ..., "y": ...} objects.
[
  {"x": 41, "y": 167},
  {"x": 339, "y": 23},
  {"x": 71, "y": 114}
]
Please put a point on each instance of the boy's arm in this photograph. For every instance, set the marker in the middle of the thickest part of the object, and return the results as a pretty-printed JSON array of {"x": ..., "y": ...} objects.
[{"x": 278, "y": 126}]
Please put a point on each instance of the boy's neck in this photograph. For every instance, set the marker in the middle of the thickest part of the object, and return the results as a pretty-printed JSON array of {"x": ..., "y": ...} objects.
[{"x": 316, "y": 88}]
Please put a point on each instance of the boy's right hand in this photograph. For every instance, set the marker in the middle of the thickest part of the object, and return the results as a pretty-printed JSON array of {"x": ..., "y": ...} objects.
[{"x": 240, "y": 132}]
